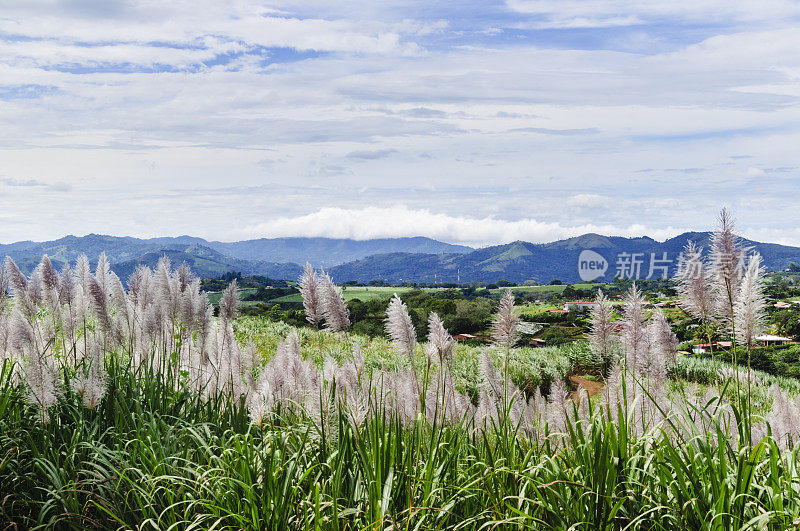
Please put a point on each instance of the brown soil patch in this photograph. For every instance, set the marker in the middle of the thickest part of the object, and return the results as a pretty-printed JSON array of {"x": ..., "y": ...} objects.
[{"x": 592, "y": 387}]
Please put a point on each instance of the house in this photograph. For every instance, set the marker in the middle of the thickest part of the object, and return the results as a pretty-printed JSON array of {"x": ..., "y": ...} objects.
[
  {"x": 579, "y": 306},
  {"x": 558, "y": 311},
  {"x": 783, "y": 305},
  {"x": 464, "y": 337},
  {"x": 706, "y": 347},
  {"x": 769, "y": 339}
]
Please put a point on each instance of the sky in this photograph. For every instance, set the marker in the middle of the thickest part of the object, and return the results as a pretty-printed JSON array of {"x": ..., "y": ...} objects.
[{"x": 476, "y": 122}]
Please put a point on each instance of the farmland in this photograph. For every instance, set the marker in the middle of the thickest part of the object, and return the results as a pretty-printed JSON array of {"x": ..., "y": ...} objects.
[{"x": 147, "y": 407}]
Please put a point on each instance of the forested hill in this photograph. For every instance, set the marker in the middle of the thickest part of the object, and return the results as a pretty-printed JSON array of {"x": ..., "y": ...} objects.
[{"x": 393, "y": 260}]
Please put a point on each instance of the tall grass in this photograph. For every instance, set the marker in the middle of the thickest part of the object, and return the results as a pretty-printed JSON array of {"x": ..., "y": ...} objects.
[
  {"x": 123, "y": 409},
  {"x": 152, "y": 458}
]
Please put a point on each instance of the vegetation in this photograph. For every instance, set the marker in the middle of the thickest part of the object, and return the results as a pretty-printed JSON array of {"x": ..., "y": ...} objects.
[{"x": 137, "y": 408}]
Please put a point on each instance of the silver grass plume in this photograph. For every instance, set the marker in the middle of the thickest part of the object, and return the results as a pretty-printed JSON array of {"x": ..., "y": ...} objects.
[
  {"x": 557, "y": 400},
  {"x": 35, "y": 292},
  {"x": 137, "y": 286},
  {"x": 101, "y": 273},
  {"x": 19, "y": 285},
  {"x": 83, "y": 271},
  {"x": 784, "y": 418},
  {"x": 91, "y": 386},
  {"x": 16, "y": 279},
  {"x": 184, "y": 277},
  {"x": 312, "y": 298},
  {"x": 167, "y": 289},
  {"x": 601, "y": 335},
  {"x": 68, "y": 298},
  {"x": 50, "y": 283},
  {"x": 67, "y": 290},
  {"x": 337, "y": 316},
  {"x": 228, "y": 304},
  {"x": 695, "y": 284},
  {"x": 663, "y": 349},
  {"x": 440, "y": 343},
  {"x": 5, "y": 330},
  {"x": 400, "y": 328},
  {"x": 99, "y": 304},
  {"x": 634, "y": 335},
  {"x": 49, "y": 274},
  {"x": 41, "y": 377},
  {"x": 492, "y": 383},
  {"x": 124, "y": 315},
  {"x": 23, "y": 334},
  {"x": 186, "y": 310},
  {"x": 750, "y": 307},
  {"x": 358, "y": 358},
  {"x": 4, "y": 287},
  {"x": 662, "y": 339},
  {"x": 504, "y": 327},
  {"x": 727, "y": 265}
]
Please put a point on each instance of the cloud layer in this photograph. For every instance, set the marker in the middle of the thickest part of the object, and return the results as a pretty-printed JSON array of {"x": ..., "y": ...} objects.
[
  {"x": 488, "y": 121},
  {"x": 400, "y": 221}
]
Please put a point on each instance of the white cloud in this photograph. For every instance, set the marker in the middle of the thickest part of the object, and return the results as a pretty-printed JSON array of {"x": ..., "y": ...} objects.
[
  {"x": 124, "y": 101},
  {"x": 398, "y": 221},
  {"x": 609, "y": 13}
]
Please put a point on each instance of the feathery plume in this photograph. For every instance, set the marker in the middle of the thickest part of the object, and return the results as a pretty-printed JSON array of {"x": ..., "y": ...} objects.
[
  {"x": 5, "y": 330},
  {"x": 440, "y": 343},
  {"x": 228, "y": 303},
  {"x": 749, "y": 308},
  {"x": 504, "y": 327},
  {"x": 662, "y": 339},
  {"x": 102, "y": 271},
  {"x": 695, "y": 284},
  {"x": 41, "y": 377},
  {"x": 20, "y": 286},
  {"x": 91, "y": 386},
  {"x": 358, "y": 358},
  {"x": 66, "y": 285},
  {"x": 337, "y": 316},
  {"x": 601, "y": 335},
  {"x": 400, "y": 328},
  {"x": 83, "y": 271},
  {"x": 663, "y": 347},
  {"x": 5, "y": 284},
  {"x": 727, "y": 265},
  {"x": 493, "y": 383},
  {"x": 312, "y": 298},
  {"x": 49, "y": 278},
  {"x": 99, "y": 304},
  {"x": 16, "y": 279},
  {"x": 136, "y": 285},
  {"x": 634, "y": 335},
  {"x": 35, "y": 291},
  {"x": 184, "y": 277}
]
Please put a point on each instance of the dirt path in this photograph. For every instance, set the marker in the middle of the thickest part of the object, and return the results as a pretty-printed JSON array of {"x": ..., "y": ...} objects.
[{"x": 592, "y": 387}]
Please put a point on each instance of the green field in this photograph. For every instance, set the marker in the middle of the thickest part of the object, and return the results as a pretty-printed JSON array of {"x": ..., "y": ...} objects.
[
  {"x": 364, "y": 293},
  {"x": 548, "y": 290},
  {"x": 215, "y": 296},
  {"x": 368, "y": 293}
]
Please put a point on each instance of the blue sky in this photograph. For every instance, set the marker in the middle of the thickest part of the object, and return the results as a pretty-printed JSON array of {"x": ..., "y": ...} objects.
[{"x": 473, "y": 122}]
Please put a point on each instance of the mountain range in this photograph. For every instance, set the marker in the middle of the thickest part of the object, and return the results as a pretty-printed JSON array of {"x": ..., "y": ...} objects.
[
  {"x": 520, "y": 261},
  {"x": 416, "y": 259}
]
